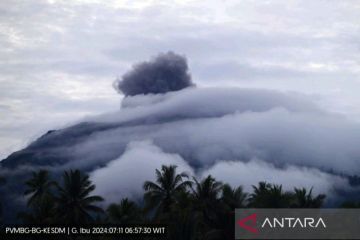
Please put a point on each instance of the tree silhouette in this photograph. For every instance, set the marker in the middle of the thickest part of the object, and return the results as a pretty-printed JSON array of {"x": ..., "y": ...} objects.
[
  {"x": 267, "y": 195},
  {"x": 183, "y": 221},
  {"x": 124, "y": 213},
  {"x": 234, "y": 197},
  {"x": 183, "y": 225},
  {"x": 160, "y": 195},
  {"x": 207, "y": 191},
  {"x": 192, "y": 210},
  {"x": 41, "y": 200},
  {"x": 304, "y": 199},
  {"x": 38, "y": 187},
  {"x": 206, "y": 195},
  {"x": 41, "y": 213},
  {"x": 75, "y": 205}
]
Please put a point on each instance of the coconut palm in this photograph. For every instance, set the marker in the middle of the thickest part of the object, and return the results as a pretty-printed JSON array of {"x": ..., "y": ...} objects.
[
  {"x": 233, "y": 197},
  {"x": 304, "y": 199},
  {"x": 160, "y": 195},
  {"x": 259, "y": 195},
  {"x": 124, "y": 213},
  {"x": 267, "y": 195},
  {"x": 183, "y": 222},
  {"x": 183, "y": 225},
  {"x": 41, "y": 200},
  {"x": 41, "y": 213},
  {"x": 206, "y": 195},
  {"x": 207, "y": 191},
  {"x": 75, "y": 205},
  {"x": 38, "y": 187},
  {"x": 217, "y": 202}
]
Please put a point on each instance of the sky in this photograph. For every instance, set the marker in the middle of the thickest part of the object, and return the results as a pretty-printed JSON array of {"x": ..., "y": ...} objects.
[{"x": 59, "y": 59}]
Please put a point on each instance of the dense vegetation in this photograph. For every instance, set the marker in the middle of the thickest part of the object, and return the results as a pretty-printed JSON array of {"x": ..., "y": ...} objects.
[{"x": 192, "y": 208}]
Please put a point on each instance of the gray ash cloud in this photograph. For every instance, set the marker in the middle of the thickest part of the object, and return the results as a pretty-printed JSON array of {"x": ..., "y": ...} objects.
[{"x": 165, "y": 73}]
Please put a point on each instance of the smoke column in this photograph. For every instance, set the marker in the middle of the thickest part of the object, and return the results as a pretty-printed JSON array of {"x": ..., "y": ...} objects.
[{"x": 165, "y": 73}]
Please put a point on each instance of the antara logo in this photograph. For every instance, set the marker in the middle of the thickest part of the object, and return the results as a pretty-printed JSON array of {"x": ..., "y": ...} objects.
[
  {"x": 291, "y": 222},
  {"x": 252, "y": 220},
  {"x": 249, "y": 223}
]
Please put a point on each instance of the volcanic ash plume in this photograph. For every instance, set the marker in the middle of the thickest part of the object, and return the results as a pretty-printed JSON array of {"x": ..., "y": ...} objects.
[{"x": 165, "y": 73}]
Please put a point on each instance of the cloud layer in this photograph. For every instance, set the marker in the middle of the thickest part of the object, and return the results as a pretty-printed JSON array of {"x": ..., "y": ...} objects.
[
  {"x": 124, "y": 176},
  {"x": 130, "y": 171},
  {"x": 229, "y": 133}
]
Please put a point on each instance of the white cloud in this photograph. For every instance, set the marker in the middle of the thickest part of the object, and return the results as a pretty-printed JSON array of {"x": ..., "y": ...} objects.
[
  {"x": 250, "y": 173},
  {"x": 125, "y": 176},
  {"x": 206, "y": 126}
]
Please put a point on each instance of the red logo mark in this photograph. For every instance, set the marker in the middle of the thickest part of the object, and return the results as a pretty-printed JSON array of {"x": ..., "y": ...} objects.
[{"x": 252, "y": 219}]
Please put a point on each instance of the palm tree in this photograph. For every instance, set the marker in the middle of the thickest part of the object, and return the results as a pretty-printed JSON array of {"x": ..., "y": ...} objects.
[
  {"x": 124, "y": 213},
  {"x": 41, "y": 213},
  {"x": 304, "y": 199},
  {"x": 217, "y": 203},
  {"x": 160, "y": 195},
  {"x": 183, "y": 221},
  {"x": 183, "y": 225},
  {"x": 207, "y": 190},
  {"x": 74, "y": 203},
  {"x": 206, "y": 199},
  {"x": 38, "y": 187},
  {"x": 233, "y": 198},
  {"x": 258, "y": 197},
  {"x": 269, "y": 196},
  {"x": 41, "y": 200}
]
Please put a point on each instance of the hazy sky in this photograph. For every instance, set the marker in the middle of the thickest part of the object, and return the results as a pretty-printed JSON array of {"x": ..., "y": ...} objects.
[{"x": 58, "y": 59}]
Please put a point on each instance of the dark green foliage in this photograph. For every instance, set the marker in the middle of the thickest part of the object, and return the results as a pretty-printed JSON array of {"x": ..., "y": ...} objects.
[
  {"x": 267, "y": 195},
  {"x": 75, "y": 205},
  {"x": 40, "y": 199},
  {"x": 42, "y": 212},
  {"x": 206, "y": 195},
  {"x": 234, "y": 197},
  {"x": 304, "y": 199},
  {"x": 207, "y": 191},
  {"x": 124, "y": 213},
  {"x": 38, "y": 187},
  {"x": 183, "y": 220},
  {"x": 193, "y": 210},
  {"x": 160, "y": 195},
  {"x": 52, "y": 203}
]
